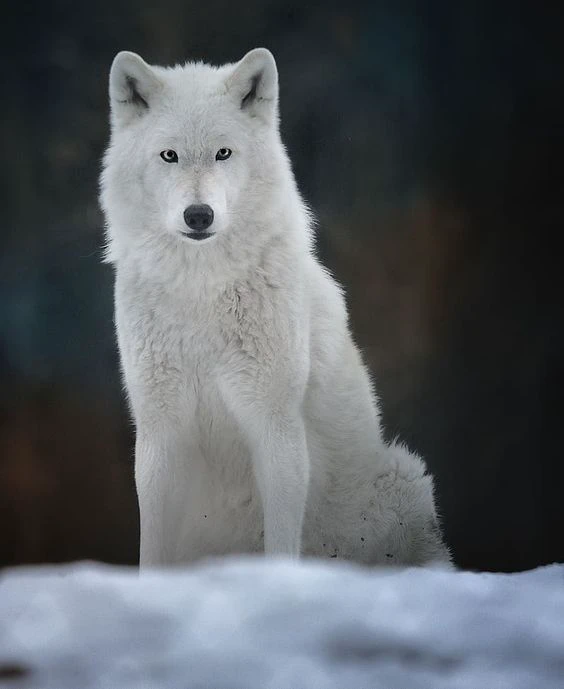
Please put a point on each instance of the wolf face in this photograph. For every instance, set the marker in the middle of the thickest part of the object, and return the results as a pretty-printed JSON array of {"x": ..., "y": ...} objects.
[{"x": 192, "y": 148}]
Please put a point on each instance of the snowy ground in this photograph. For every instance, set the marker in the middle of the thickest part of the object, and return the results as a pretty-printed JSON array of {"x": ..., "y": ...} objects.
[{"x": 249, "y": 624}]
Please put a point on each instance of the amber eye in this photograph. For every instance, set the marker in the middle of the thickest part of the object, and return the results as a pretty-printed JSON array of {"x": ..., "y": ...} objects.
[
  {"x": 169, "y": 156},
  {"x": 223, "y": 154}
]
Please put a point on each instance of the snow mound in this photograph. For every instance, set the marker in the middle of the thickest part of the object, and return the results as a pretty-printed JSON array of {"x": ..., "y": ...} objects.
[{"x": 256, "y": 624}]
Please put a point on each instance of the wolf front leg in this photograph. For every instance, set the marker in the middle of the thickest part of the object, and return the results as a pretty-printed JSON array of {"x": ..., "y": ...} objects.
[
  {"x": 277, "y": 440},
  {"x": 155, "y": 457},
  {"x": 281, "y": 467}
]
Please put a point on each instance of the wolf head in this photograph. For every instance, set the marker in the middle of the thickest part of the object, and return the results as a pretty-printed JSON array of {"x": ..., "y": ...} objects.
[{"x": 194, "y": 150}]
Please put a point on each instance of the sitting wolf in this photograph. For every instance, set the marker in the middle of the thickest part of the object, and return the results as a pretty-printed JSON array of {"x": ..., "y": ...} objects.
[{"x": 257, "y": 426}]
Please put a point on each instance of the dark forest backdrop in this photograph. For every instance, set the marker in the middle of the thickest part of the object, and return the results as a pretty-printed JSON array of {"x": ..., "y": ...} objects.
[{"x": 428, "y": 137}]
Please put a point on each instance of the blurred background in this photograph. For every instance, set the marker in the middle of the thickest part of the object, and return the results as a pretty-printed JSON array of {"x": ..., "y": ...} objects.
[{"x": 428, "y": 137}]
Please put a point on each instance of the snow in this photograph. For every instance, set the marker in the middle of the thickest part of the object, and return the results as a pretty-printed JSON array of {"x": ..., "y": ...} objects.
[{"x": 257, "y": 624}]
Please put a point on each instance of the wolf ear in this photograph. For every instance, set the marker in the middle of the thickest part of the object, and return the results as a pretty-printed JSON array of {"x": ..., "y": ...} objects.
[
  {"x": 133, "y": 87},
  {"x": 254, "y": 84}
]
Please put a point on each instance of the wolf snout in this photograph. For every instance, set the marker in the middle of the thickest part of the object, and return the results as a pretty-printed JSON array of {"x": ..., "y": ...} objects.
[{"x": 198, "y": 217}]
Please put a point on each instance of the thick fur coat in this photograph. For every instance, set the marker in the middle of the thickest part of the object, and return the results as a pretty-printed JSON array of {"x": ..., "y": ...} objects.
[{"x": 257, "y": 425}]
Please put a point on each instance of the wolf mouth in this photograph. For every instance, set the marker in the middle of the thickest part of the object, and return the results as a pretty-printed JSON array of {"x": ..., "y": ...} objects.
[{"x": 198, "y": 235}]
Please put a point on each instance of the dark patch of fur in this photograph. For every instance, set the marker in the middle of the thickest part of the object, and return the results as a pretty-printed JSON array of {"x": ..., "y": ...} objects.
[
  {"x": 252, "y": 94},
  {"x": 134, "y": 96}
]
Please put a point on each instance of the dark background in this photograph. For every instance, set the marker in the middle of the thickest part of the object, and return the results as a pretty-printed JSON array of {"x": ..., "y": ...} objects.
[{"x": 428, "y": 137}]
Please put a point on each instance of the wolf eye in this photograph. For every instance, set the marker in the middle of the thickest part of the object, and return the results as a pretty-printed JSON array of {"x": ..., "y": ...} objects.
[
  {"x": 169, "y": 156},
  {"x": 223, "y": 154}
]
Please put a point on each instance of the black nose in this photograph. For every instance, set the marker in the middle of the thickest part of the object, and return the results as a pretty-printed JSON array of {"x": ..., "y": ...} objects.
[{"x": 198, "y": 217}]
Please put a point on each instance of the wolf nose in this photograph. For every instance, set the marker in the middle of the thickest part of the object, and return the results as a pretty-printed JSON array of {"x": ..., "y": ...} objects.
[{"x": 198, "y": 217}]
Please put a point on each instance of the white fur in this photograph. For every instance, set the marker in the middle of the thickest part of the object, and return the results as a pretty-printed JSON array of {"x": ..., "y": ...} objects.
[{"x": 257, "y": 426}]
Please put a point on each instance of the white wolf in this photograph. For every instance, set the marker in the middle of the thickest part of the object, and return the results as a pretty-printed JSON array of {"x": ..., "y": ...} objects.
[{"x": 257, "y": 426}]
